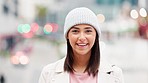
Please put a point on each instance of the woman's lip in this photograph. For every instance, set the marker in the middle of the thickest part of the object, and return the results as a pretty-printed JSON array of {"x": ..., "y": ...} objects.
[{"x": 82, "y": 45}]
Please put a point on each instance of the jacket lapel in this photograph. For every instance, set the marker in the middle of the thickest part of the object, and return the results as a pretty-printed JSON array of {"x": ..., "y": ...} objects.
[
  {"x": 106, "y": 78},
  {"x": 60, "y": 76},
  {"x": 104, "y": 75}
]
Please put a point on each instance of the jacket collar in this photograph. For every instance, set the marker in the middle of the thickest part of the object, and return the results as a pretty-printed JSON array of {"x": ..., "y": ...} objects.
[
  {"x": 60, "y": 65},
  {"x": 104, "y": 66}
]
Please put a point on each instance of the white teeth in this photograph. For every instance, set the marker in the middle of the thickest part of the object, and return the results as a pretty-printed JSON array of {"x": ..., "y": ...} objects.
[{"x": 81, "y": 44}]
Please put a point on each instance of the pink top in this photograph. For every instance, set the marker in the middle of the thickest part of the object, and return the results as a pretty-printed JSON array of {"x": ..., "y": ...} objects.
[{"x": 82, "y": 78}]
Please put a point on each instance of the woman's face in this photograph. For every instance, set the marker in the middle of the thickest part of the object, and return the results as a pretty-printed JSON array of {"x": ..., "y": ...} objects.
[{"x": 82, "y": 38}]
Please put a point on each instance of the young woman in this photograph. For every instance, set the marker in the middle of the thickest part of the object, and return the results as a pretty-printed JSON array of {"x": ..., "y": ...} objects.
[{"x": 82, "y": 63}]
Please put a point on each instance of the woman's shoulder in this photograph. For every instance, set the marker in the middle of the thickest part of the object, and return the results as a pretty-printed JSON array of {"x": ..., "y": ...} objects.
[
  {"x": 117, "y": 73},
  {"x": 116, "y": 70},
  {"x": 110, "y": 68},
  {"x": 54, "y": 65}
]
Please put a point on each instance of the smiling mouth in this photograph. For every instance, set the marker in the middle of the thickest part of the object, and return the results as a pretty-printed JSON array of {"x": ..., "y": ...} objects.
[{"x": 82, "y": 45}]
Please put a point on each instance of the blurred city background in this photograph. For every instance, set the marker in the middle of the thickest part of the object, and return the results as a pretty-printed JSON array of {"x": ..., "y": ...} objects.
[{"x": 31, "y": 36}]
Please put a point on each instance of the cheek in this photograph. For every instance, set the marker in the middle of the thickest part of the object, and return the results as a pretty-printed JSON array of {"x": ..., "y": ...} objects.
[
  {"x": 72, "y": 39},
  {"x": 92, "y": 39},
  {"x": 72, "y": 43}
]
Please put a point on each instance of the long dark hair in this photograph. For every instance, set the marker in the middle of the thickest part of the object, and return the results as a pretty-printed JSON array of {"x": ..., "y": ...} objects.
[{"x": 94, "y": 61}]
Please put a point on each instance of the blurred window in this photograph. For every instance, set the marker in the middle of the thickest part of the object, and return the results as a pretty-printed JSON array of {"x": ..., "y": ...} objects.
[{"x": 116, "y": 2}]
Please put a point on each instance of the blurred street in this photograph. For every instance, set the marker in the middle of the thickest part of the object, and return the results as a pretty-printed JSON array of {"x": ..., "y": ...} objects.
[{"x": 42, "y": 54}]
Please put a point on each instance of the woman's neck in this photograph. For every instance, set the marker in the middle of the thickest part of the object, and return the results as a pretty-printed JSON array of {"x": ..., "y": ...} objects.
[{"x": 81, "y": 62}]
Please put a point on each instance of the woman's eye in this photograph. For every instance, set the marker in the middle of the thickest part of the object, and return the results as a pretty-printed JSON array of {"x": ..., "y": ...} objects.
[
  {"x": 88, "y": 31},
  {"x": 74, "y": 30}
]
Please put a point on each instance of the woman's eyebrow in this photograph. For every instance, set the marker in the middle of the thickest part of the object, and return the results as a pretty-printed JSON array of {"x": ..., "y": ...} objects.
[
  {"x": 74, "y": 27},
  {"x": 77, "y": 27},
  {"x": 88, "y": 27}
]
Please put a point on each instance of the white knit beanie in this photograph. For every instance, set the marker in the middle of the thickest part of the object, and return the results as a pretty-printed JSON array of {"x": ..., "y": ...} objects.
[{"x": 81, "y": 15}]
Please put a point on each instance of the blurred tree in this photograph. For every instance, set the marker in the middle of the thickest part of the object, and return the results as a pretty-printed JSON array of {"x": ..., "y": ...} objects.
[{"x": 41, "y": 14}]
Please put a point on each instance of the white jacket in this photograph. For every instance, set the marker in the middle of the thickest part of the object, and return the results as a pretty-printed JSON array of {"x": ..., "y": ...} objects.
[{"x": 54, "y": 73}]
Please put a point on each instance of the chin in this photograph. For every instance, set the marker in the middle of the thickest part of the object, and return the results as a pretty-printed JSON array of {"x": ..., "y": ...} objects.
[{"x": 82, "y": 53}]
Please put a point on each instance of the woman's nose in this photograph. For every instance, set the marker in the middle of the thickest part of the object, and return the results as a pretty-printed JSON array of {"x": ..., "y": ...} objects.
[{"x": 82, "y": 37}]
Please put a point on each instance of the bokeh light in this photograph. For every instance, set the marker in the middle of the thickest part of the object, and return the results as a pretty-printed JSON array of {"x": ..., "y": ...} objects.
[
  {"x": 48, "y": 29},
  {"x": 134, "y": 14},
  {"x": 19, "y": 28},
  {"x": 54, "y": 27},
  {"x": 143, "y": 12},
  {"x": 24, "y": 60},
  {"x": 34, "y": 27},
  {"x": 26, "y": 28},
  {"x": 101, "y": 18},
  {"x": 19, "y": 58},
  {"x": 14, "y": 60}
]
